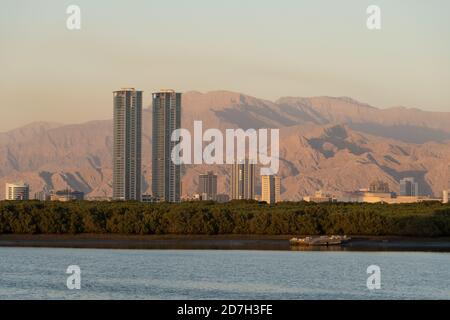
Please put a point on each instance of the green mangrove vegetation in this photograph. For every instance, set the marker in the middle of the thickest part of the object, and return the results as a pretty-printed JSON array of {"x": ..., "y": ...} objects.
[{"x": 428, "y": 219}]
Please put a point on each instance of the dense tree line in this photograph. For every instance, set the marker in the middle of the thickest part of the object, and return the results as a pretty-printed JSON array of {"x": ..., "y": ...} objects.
[{"x": 236, "y": 217}]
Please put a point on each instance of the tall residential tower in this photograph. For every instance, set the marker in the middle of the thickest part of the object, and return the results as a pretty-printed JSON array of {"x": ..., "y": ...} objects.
[
  {"x": 270, "y": 189},
  {"x": 127, "y": 144},
  {"x": 243, "y": 180},
  {"x": 409, "y": 187},
  {"x": 166, "y": 176},
  {"x": 207, "y": 186}
]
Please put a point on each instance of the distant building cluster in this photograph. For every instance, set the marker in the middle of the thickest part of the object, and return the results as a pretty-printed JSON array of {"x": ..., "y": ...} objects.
[
  {"x": 61, "y": 195},
  {"x": 166, "y": 176},
  {"x": 379, "y": 186},
  {"x": 379, "y": 192},
  {"x": 243, "y": 182},
  {"x": 319, "y": 197},
  {"x": 20, "y": 191}
]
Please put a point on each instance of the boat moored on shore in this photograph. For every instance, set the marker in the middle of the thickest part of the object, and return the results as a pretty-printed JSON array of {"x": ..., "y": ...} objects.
[{"x": 320, "y": 241}]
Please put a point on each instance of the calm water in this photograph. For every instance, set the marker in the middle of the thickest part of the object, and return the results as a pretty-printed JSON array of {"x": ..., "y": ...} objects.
[{"x": 132, "y": 274}]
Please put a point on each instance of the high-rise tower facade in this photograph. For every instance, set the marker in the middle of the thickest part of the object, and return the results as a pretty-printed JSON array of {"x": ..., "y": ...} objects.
[
  {"x": 409, "y": 187},
  {"x": 270, "y": 189},
  {"x": 243, "y": 180},
  {"x": 207, "y": 186},
  {"x": 127, "y": 135},
  {"x": 166, "y": 175}
]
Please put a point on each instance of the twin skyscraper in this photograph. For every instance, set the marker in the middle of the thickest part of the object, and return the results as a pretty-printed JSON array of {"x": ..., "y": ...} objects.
[{"x": 127, "y": 150}]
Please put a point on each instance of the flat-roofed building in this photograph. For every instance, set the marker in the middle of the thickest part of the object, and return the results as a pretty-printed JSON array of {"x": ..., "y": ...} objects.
[
  {"x": 270, "y": 189},
  {"x": 17, "y": 191},
  {"x": 319, "y": 197},
  {"x": 66, "y": 195},
  {"x": 379, "y": 186},
  {"x": 42, "y": 195}
]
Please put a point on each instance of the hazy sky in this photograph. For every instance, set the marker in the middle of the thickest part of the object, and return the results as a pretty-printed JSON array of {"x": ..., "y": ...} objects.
[{"x": 263, "y": 48}]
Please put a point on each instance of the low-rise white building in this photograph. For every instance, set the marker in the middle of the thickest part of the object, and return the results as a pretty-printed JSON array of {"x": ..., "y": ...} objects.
[
  {"x": 319, "y": 197},
  {"x": 17, "y": 191}
]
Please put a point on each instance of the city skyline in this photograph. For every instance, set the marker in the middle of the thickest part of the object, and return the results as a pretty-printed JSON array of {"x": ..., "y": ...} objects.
[
  {"x": 167, "y": 176},
  {"x": 269, "y": 54},
  {"x": 232, "y": 116}
]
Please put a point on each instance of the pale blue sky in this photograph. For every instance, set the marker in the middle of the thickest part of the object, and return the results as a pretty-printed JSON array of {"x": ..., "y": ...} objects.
[{"x": 263, "y": 48}]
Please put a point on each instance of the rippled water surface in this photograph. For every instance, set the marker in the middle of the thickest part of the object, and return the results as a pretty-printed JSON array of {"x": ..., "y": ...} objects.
[{"x": 39, "y": 273}]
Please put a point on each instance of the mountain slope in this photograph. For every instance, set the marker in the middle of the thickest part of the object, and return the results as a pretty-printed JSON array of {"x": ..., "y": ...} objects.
[{"x": 326, "y": 143}]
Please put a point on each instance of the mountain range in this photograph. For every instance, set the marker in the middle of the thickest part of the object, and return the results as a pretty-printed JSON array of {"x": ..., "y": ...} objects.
[{"x": 330, "y": 143}]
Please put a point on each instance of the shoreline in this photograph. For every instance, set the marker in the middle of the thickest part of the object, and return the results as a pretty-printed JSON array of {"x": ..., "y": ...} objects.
[{"x": 218, "y": 242}]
